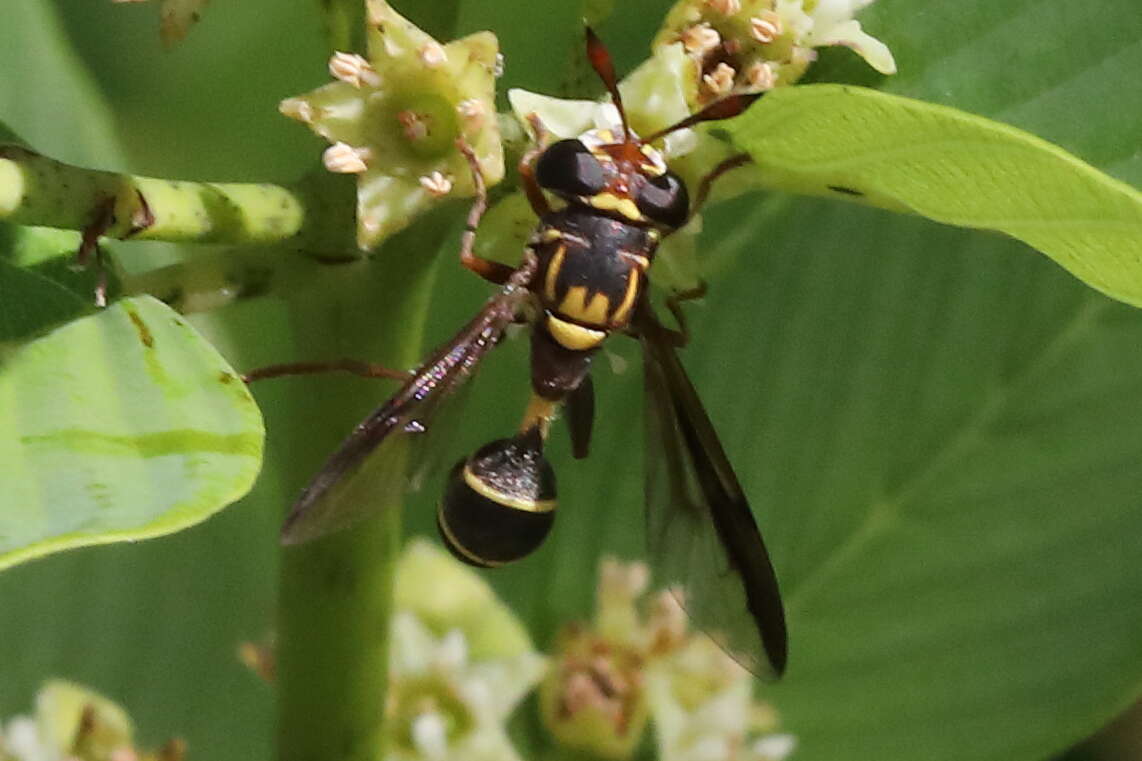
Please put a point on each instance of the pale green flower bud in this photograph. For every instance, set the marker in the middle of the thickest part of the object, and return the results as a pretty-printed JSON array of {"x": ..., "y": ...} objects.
[
  {"x": 445, "y": 594},
  {"x": 74, "y": 723}
]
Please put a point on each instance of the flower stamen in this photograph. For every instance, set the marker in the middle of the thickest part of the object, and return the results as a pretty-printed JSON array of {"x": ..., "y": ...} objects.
[
  {"x": 436, "y": 184},
  {"x": 343, "y": 158},
  {"x": 354, "y": 69}
]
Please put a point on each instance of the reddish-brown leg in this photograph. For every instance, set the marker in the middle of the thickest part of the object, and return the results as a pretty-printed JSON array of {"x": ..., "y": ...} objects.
[
  {"x": 733, "y": 162},
  {"x": 495, "y": 272},
  {"x": 526, "y": 167},
  {"x": 89, "y": 251},
  {"x": 681, "y": 336}
]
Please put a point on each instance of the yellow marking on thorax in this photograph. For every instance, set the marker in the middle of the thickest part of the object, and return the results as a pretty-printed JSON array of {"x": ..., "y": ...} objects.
[
  {"x": 611, "y": 202},
  {"x": 576, "y": 306},
  {"x": 622, "y": 314},
  {"x": 553, "y": 268},
  {"x": 550, "y": 234},
  {"x": 572, "y": 336},
  {"x": 656, "y": 167}
]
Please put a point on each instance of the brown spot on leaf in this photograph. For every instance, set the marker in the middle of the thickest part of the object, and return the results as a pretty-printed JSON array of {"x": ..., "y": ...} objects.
[{"x": 144, "y": 332}]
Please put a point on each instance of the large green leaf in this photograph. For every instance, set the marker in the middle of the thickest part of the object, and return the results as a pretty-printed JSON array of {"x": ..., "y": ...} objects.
[
  {"x": 123, "y": 425},
  {"x": 938, "y": 433},
  {"x": 67, "y": 117},
  {"x": 953, "y": 167}
]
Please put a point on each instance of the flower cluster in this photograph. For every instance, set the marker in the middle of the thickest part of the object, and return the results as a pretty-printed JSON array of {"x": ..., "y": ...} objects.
[
  {"x": 756, "y": 45},
  {"x": 460, "y": 663},
  {"x": 73, "y": 723},
  {"x": 394, "y": 119},
  {"x": 638, "y": 663}
]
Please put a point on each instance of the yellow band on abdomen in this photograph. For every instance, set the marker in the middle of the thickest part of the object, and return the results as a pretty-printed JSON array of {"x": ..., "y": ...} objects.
[{"x": 572, "y": 336}]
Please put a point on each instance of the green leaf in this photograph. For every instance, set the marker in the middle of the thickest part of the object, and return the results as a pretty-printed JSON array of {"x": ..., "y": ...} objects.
[
  {"x": 46, "y": 94},
  {"x": 123, "y": 425},
  {"x": 939, "y": 438},
  {"x": 33, "y": 302},
  {"x": 953, "y": 167}
]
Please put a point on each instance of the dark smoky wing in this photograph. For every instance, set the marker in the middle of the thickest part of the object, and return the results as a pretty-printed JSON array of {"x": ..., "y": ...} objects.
[
  {"x": 367, "y": 472},
  {"x": 701, "y": 535}
]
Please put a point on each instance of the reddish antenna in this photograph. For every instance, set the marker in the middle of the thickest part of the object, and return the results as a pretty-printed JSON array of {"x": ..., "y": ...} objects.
[
  {"x": 719, "y": 109},
  {"x": 601, "y": 62}
]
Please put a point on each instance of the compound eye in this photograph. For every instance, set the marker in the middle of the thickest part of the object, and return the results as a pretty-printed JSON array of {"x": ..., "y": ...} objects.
[
  {"x": 568, "y": 167},
  {"x": 664, "y": 200}
]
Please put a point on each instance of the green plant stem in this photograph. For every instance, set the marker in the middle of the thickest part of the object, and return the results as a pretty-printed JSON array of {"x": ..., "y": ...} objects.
[
  {"x": 344, "y": 24},
  {"x": 335, "y": 598},
  {"x": 40, "y": 191}
]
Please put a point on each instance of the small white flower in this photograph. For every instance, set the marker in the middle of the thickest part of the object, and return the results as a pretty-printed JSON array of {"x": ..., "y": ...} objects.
[
  {"x": 408, "y": 75},
  {"x": 450, "y": 696},
  {"x": 430, "y": 735},
  {"x": 831, "y": 22},
  {"x": 21, "y": 739},
  {"x": 781, "y": 33},
  {"x": 774, "y": 747}
]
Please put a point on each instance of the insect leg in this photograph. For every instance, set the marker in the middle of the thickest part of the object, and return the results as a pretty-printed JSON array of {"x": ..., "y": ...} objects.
[
  {"x": 495, "y": 272},
  {"x": 526, "y": 167},
  {"x": 680, "y": 337},
  {"x": 581, "y": 417},
  {"x": 89, "y": 248},
  {"x": 733, "y": 162},
  {"x": 357, "y": 367}
]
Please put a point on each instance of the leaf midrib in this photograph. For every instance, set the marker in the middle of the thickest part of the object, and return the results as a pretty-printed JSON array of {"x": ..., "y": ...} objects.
[{"x": 887, "y": 512}]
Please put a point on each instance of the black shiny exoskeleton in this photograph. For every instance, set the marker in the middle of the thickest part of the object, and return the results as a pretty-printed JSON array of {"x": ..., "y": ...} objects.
[{"x": 583, "y": 277}]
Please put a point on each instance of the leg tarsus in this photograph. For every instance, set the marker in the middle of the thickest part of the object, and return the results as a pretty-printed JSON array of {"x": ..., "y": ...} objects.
[
  {"x": 707, "y": 182},
  {"x": 493, "y": 271},
  {"x": 681, "y": 336}
]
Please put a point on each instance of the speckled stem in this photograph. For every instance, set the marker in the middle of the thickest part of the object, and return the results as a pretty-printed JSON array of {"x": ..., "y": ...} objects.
[{"x": 37, "y": 190}]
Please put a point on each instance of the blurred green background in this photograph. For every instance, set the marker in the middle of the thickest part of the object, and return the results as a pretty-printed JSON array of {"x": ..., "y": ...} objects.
[{"x": 939, "y": 429}]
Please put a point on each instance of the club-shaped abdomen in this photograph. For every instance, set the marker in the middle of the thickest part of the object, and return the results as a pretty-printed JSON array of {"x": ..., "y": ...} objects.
[{"x": 499, "y": 504}]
